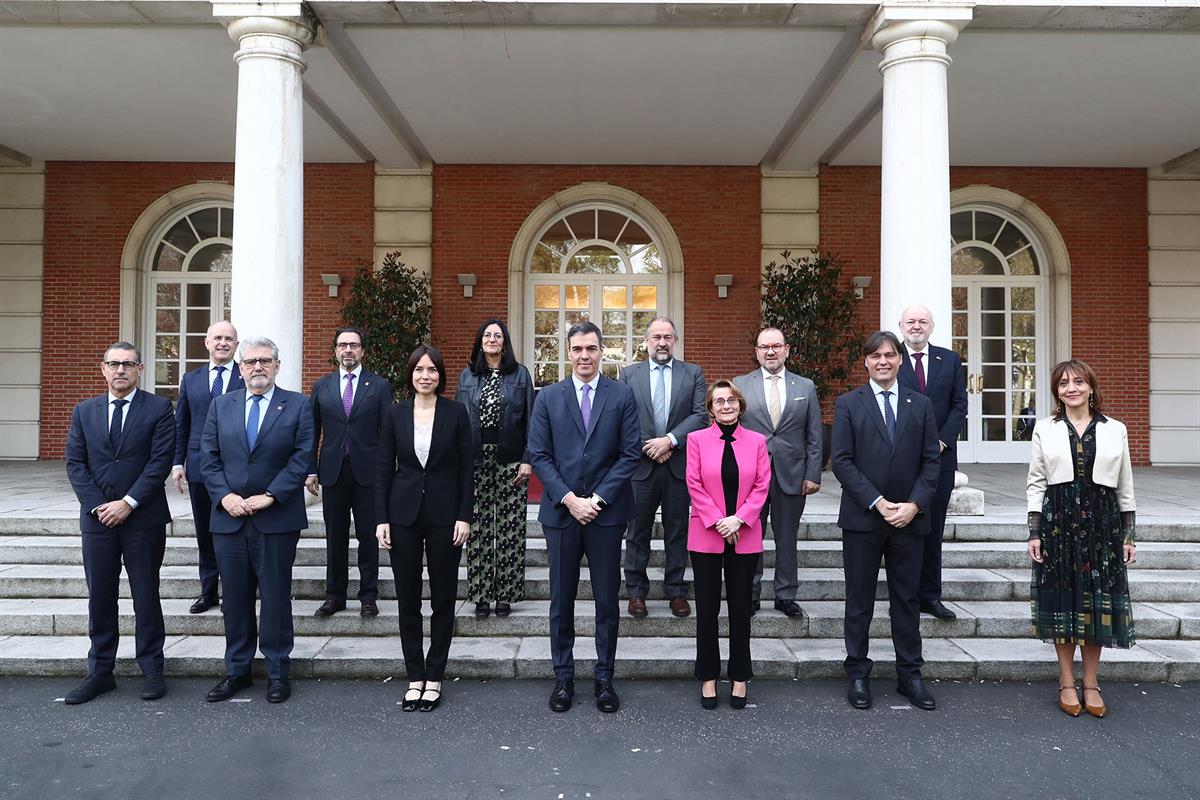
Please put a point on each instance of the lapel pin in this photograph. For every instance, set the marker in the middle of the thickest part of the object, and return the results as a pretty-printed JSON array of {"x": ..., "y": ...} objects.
[
  {"x": 279, "y": 408},
  {"x": 908, "y": 399}
]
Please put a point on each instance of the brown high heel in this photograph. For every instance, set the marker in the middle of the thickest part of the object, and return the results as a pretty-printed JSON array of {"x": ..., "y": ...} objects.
[
  {"x": 1096, "y": 711},
  {"x": 1070, "y": 709}
]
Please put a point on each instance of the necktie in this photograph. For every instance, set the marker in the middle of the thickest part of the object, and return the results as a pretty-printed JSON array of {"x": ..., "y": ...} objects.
[
  {"x": 889, "y": 417},
  {"x": 114, "y": 427},
  {"x": 252, "y": 421},
  {"x": 660, "y": 401},
  {"x": 219, "y": 384},
  {"x": 585, "y": 406},
  {"x": 347, "y": 402},
  {"x": 920, "y": 372},
  {"x": 773, "y": 401}
]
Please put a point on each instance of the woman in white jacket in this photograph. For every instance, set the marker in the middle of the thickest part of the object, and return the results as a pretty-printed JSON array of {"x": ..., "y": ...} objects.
[{"x": 1081, "y": 532}]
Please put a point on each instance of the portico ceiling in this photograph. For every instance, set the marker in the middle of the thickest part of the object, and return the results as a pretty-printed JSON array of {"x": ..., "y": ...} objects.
[{"x": 1067, "y": 84}]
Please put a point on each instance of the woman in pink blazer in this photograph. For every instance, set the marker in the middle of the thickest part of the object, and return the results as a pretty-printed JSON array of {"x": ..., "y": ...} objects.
[{"x": 728, "y": 475}]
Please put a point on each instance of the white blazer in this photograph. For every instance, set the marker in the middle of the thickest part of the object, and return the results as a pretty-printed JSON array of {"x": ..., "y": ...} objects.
[{"x": 1051, "y": 460}]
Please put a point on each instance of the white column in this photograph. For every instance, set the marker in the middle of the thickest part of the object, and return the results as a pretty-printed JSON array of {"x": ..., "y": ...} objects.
[
  {"x": 915, "y": 231},
  {"x": 268, "y": 195}
]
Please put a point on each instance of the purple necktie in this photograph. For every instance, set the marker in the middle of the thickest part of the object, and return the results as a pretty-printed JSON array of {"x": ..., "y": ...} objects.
[
  {"x": 920, "y": 372},
  {"x": 585, "y": 407},
  {"x": 347, "y": 401}
]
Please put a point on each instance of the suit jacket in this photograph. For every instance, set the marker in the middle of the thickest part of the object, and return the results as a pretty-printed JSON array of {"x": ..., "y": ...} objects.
[
  {"x": 138, "y": 467},
  {"x": 705, "y": 451},
  {"x": 1051, "y": 460},
  {"x": 372, "y": 399},
  {"x": 869, "y": 466},
  {"x": 795, "y": 446},
  {"x": 446, "y": 482},
  {"x": 516, "y": 404},
  {"x": 190, "y": 411},
  {"x": 946, "y": 387},
  {"x": 278, "y": 464},
  {"x": 599, "y": 461},
  {"x": 685, "y": 410}
]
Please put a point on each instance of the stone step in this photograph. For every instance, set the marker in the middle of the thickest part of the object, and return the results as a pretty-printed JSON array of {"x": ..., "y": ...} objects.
[
  {"x": 650, "y": 657},
  {"x": 822, "y": 619}
]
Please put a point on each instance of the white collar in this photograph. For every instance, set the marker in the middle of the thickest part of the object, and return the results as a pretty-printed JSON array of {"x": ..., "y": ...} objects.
[
  {"x": 112, "y": 398},
  {"x": 578, "y": 384},
  {"x": 767, "y": 375},
  {"x": 878, "y": 390},
  {"x": 356, "y": 372}
]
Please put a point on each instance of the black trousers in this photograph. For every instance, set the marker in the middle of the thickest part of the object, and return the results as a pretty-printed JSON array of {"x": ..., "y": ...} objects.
[
  {"x": 255, "y": 562},
  {"x": 902, "y": 551},
  {"x": 142, "y": 552},
  {"x": 442, "y": 557},
  {"x": 739, "y": 580},
  {"x": 659, "y": 488},
  {"x": 337, "y": 502},
  {"x": 201, "y": 514},
  {"x": 566, "y": 548},
  {"x": 930, "y": 590}
]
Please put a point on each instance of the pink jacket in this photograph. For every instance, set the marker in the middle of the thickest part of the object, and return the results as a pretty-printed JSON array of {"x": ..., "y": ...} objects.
[{"x": 705, "y": 449}]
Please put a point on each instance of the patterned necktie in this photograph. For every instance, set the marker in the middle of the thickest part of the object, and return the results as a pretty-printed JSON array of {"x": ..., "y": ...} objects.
[
  {"x": 114, "y": 427},
  {"x": 660, "y": 401},
  {"x": 347, "y": 402},
  {"x": 585, "y": 407},
  {"x": 252, "y": 421},
  {"x": 889, "y": 417},
  {"x": 219, "y": 384},
  {"x": 920, "y": 372},
  {"x": 773, "y": 401}
]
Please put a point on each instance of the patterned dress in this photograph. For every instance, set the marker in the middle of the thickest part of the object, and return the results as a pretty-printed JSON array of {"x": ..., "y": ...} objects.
[
  {"x": 1080, "y": 592},
  {"x": 496, "y": 549}
]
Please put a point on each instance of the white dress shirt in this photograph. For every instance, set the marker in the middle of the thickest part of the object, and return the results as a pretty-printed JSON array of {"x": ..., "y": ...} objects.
[
  {"x": 894, "y": 401},
  {"x": 357, "y": 372},
  {"x": 124, "y": 419},
  {"x": 594, "y": 382},
  {"x": 226, "y": 376},
  {"x": 668, "y": 371}
]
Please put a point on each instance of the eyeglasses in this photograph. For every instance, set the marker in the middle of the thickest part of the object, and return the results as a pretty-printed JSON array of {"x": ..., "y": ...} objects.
[
  {"x": 725, "y": 401},
  {"x": 254, "y": 362},
  {"x": 766, "y": 348},
  {"x": 116, "y": 365},
  {"x": 348, "y": 346}
]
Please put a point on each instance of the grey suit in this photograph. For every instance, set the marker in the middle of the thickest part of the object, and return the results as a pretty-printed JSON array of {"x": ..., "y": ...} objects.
[
  {"x": 795, "y": 449},
  {"x": 663, "y": 484}
]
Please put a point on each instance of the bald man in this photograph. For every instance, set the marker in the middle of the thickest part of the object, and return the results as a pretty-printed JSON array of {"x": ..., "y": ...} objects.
[{"x": 938, "y": 374}]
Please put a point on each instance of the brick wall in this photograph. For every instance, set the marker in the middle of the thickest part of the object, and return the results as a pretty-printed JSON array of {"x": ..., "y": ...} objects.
[
  {"x": 90, "y": 209},
  {"x": 1102, "y": 217},
  {"x": 478, "y": 209}
]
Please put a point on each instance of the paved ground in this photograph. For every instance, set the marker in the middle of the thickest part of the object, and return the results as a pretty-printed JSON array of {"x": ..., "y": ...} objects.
[{"x": 498, "y": 740}]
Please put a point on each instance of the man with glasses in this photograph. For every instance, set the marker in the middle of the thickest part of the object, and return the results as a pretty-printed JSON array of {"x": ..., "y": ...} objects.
[
  {"x": 119, "y": 450},
  {"x": 256, "y": 449},
  {"x": 196, "y": 392},
  {"x": 784, "y": 407},
  {"x": 348, "y": 407}
]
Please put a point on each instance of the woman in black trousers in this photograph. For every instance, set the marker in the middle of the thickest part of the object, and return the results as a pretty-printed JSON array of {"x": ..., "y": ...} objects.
[{"x": 423, "y": 494}]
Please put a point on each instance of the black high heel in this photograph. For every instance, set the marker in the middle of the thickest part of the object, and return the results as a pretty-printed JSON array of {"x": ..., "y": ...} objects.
[
  {"x": 414, "y": 703},
  {"x": 430, "y": 705},
  {"x": 706, "y": 702},
  {"x": 737, "y": 702}
]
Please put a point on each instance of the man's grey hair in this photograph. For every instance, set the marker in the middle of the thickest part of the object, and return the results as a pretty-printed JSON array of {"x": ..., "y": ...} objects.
[
  {"x": 667, "y": 320},
  {"x": 257, "y": 341},
  {"x": 123, "y": 346}
]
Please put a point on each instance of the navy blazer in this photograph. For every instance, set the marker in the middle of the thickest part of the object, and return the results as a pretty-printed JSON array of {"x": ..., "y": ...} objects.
[
  {"x": 278, "y": 464},
  {"x": 685, "y": 410},
  {"x": 372, "y": 399},
  {"x": 598, "y": 461},
  {"x": 447, "y": 481},
  {"x": 946, "y": 387},
  {"x": 190, "y": 410},
  {"x": 138, "y": 467},
  {"x": 867, "y": 465}
]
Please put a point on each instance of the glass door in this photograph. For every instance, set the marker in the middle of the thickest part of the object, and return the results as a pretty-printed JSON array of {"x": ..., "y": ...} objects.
[{"x": 183, "y": 308}]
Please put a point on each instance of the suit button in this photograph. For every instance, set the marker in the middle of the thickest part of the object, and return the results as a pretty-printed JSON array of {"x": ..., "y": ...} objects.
[{"x": 116, "y": 461}]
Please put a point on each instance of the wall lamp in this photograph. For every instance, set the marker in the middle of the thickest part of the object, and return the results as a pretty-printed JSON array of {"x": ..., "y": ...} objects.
[
  {"x": 722, "y": 282},
  {"x": 333, "y": 282},
  {"x": 861, "y": 282},
  {"x": 467, "y": 281}
]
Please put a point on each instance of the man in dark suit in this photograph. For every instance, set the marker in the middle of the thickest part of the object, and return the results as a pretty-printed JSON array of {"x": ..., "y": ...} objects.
[
  {"x": 584, "y": 443},
  {"x": 670, "y": 401},
  {"x": 196, "y": 391},
  {"x": 119, "y": 451},
  {"x": 783, "y": 407},
  {"x": 348, "y": 407},
  {"x": 256, "y": 448},
  {"x": 938, "y": 374},
  {"x": 885, "y": 455}
]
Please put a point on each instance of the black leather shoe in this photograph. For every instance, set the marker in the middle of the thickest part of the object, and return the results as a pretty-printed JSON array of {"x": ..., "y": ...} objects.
[
  {"x": 938, "y": 610},
  {"x": 431, "y": 699},
  {"x": 369, "y": 609},
  {"x": 503, "y": 609},
  {"x": 914, "y": 689},
  {"x": 203, "y": 603},
  {"x": 92, "y": 687},
  {"x": 154, "y": 687},
  {"x": 859, "y": 693},
  {"x": 563, "y": 694},
  {"x": 606, "y": 696},
  {"x": 329, "y": 608},
  {"x": 789, "y": 607},
  {"x": 278, "y": 690},
  {"x": 227, "y": 688},
  {"x": 483, "y": 610}
]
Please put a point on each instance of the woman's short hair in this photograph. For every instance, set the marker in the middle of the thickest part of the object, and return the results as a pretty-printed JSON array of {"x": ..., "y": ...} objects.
[
  {"x": 1081, "y": 369},
  {"x": 724, "y": 384},
  {"x": 508, "y": 359},
  {"x": 439, "y": 364}
]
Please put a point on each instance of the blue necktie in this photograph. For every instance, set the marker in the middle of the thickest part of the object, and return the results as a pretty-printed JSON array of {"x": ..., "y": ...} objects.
[
  {"x": 889, "y": 417},
  {"x": 219, "y": 384},
  {"x": 114, "y": 427},
  {"x": 660, "y": 401},
  {"x": 252, "y": 422}
]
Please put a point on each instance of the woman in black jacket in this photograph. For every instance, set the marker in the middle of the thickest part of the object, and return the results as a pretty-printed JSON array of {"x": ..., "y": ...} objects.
[
  {"x": 498, "y": 394},
  {"x": 423, "y": 494}
]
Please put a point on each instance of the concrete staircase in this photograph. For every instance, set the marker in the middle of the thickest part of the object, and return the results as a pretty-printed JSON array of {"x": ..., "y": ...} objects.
[{"x": 43, "y": 612}]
